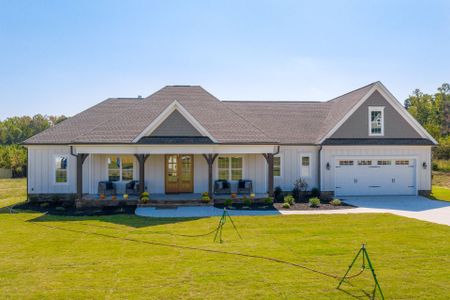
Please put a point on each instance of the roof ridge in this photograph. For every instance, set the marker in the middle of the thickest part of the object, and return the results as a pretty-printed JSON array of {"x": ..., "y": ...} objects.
[
  {"x": 273, "y": 101},
  {"x": 367, "y": 85}
]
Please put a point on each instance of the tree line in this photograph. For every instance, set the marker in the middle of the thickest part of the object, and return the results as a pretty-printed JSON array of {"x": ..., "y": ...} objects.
[
  {"x": 14, "y": 131},
  {"x": 432, "y": 111}
]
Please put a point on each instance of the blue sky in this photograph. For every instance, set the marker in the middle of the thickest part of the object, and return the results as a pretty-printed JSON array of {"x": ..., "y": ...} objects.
[{"x": 60, "y": 57}]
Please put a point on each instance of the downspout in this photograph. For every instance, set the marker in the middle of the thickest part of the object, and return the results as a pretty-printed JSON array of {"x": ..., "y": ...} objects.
[
  {"x": 28, "y": 174},
  {"x": 71, "y": 151},
  {"x": 278, "y": 151}
]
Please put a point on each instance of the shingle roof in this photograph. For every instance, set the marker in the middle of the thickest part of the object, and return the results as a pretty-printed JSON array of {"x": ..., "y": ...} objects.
[{"x": 121, "y": 120}]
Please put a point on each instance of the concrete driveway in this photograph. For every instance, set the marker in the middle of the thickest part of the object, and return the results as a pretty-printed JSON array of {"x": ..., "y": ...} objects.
[
  {"x": 408, "y": 206},
  {"x": 416, "y": 207}
]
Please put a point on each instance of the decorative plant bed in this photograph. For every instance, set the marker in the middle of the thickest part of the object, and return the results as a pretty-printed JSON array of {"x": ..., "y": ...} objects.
[
  {"x": 241, "y": 206},
  {"x": 306, "y": 206},
  {"x": 66, "y": 210}
]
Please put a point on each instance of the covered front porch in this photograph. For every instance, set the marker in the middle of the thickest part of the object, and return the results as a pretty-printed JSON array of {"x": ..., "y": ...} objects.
[{"x": 173, "y": 172}]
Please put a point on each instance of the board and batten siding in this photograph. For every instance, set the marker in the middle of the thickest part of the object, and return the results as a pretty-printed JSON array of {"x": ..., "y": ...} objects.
[
  {"x": 422, "y": 154},
  {"x": 291, "y": 167},
  {"x": 41, "y": 170}
]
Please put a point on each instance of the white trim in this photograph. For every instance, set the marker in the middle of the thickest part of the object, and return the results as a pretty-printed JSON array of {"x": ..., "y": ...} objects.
[
  {"x": 54, "y": 169},
  {"x": 301, "y": 155},
  {"x": 120, "y": 168},
  {"x": 370, "y": 110},
  {"x": 280, "y": 155},
  {"x": 175, "y": 105},
  {"x": 174, "y": 149},
  {"x": 394, "y": 102},
  {"x": 229, "y": 166}
]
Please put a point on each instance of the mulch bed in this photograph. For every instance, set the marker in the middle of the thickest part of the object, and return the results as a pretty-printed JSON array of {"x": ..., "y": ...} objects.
[
  {"x": 71, "y": 210},
  {"x": 306, "y": 206},
  {"x": 239, "y": 206}
]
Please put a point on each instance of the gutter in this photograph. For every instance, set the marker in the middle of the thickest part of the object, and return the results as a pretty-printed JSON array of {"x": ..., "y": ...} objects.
[{"x": 320, "y": 168}]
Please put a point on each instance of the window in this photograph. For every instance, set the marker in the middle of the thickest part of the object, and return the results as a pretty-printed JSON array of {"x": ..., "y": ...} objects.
[
  {"x": 376, "y": 120},
  {"x": 120, "y": 168},
  {"x": 402, "y": 162},
  {"x": 364, "y": 162},
  {"x": 346, "y": 162},
  {"x": 230, "y": 168},
  {"x": 61, "y": 169},
  {"x": 305, "y": 166},
  {"x": 276, "y": 166},
  {"x": 384, "y": 162}
]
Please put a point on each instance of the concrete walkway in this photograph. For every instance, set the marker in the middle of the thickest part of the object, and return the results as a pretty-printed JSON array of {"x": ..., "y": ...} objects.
[
  {"x": 416, "y": 207},
  {"x": 197, "y": 212}
]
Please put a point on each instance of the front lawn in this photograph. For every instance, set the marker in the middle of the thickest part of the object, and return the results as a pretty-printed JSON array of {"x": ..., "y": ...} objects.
[
  {"x": 440, "y": 193},
  {"x": 124, "y": 256}
]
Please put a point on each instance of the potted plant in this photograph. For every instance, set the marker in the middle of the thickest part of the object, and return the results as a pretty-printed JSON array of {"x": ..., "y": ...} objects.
[
  {"x": 102, "y": 196},
  {"x": 113, "y": 197},
  {"x": 233, "y": 195},
  {"x": 145, "y": 197},
  {"x": 125, "y": 196},
  {"x": 252, "y": 196},
  {"x": 205, "y": 197}
]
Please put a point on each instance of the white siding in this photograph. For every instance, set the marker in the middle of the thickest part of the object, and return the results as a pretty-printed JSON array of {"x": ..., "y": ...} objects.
[
  {"x": 41, "y": 169},
  {"x": 290, "y": 166},
  {"x": 200, "y": 174},
  {"x": 420, "y": 153}
]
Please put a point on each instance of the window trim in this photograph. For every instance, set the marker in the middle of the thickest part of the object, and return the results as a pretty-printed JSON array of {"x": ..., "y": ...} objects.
[
  {"x": 301, "y": 166},
  {"x": 281, "y": 166},
  {"x": 229, "y": 166},
  {"x": 120, "y": 169},
  {"x": 376, "y": 108},
  {"x": 67, "y": 169}
]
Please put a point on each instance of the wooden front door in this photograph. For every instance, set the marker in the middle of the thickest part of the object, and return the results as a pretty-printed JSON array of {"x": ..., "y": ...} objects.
[{"x": 179, "y": 173}]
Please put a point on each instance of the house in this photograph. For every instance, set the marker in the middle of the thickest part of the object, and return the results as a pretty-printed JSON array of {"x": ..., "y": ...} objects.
[{"x": 182, "y": 139}]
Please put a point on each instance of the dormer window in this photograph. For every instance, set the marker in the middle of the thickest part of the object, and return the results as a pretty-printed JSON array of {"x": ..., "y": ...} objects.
[{"x": 376, "y": 120}]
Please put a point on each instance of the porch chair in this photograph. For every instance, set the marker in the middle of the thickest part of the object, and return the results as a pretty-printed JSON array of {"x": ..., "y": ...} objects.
[
  {"x": 132, "y": 187},
  {"x": 222, "y": 187},
  {"x": 245, "y": 186},
  {"x": 107, "y": 188}
]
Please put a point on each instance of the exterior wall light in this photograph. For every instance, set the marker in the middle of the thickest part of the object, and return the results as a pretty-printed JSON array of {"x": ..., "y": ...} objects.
[
  {"x": 424, "y": 165},
  {"x": 328, "y": 166}
]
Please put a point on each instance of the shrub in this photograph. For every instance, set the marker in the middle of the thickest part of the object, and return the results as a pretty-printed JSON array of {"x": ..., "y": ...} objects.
[
  {"x": 336, "y": 202},
  {"x": 299, "y": 189},
  {"x": 314, "y": 202},
  {"x": 286, "y": 205},
  {"x": 278, "y": 194},
  {"x": 44, "y": 205},
  {"x": 268, "y": 201},
  {"x": 205, "y": 199},
  {"x": 289, "y": 199},
  {"x": 145, "y": 194},
  {"x": 228, "y": 202},
  {"x": 60, "y": 208},
  {"x": 315, "y": 192},
  {"x": 55, "y": 198},
  {"x": 246, "y": 201}
]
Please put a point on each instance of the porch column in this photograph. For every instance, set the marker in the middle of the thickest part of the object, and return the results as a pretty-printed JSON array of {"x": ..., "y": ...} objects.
[
  {"x": 141, "y": 159},
  {"x": 269, "y": 159},
  {"x": 210, "y": 158},
  {"x": 81, "y": 157}
]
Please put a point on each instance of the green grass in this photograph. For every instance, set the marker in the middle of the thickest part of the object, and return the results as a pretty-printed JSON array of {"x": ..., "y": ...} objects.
[
  {"x": 124, "y": 256},
  {"x": 440, "y": 193}
]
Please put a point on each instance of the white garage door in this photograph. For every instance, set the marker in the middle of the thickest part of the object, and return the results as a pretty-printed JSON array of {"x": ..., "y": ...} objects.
[{"x": 375, "y": 176}]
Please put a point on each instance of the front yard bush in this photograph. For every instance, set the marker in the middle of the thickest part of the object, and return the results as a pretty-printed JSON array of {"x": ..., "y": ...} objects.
[
  {"x": 314, "y": 202},
  {"x": 315, "y": 192},
  {"x": 228, "y": 203},
  {"x": 205, "y": 199},
  {"x": 289, "y": 199},
  {"x": 278, "y": 194},
  {"x": 336, "y": 202},
  {"x": 246, "y": 201},
  {"x": 268, "y": 201},
  {"x": 286, "y": 205}
]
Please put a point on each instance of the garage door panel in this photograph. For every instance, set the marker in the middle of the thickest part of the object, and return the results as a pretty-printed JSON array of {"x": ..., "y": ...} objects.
[{"x": 375, "y": 176}]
